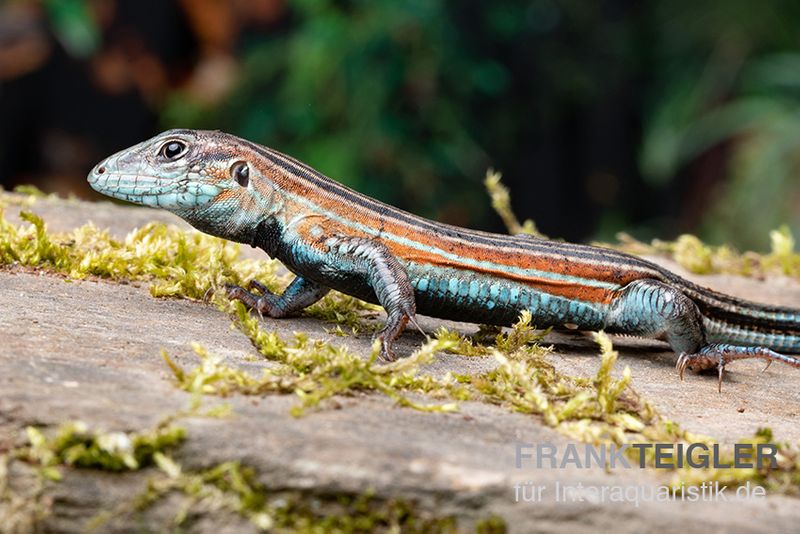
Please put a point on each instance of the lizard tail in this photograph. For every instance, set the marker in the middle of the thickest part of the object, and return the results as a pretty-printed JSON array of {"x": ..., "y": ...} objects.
[{"x": 730, "y": 320}]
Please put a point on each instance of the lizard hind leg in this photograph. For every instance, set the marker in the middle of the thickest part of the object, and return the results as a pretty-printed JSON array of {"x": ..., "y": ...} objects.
[
  {"x": 720, "y": 354},
  {"x": 651, "y": 308}
]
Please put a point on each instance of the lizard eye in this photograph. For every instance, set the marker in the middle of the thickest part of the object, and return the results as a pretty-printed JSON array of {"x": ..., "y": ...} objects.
[
  {"x": 173, "y": 150},
  {"x": 241, "y": 173}
]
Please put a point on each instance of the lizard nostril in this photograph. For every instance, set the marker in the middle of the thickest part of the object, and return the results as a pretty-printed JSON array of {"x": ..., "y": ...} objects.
[{"x": 101, "y": 170}]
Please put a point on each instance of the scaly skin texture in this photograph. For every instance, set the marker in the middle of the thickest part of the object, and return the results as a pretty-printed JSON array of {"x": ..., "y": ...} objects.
[{"x": 332, "y": 237}]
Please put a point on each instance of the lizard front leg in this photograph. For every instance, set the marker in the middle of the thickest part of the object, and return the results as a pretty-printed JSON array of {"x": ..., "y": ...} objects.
[
  {"x": 388, "y": 279},
  {"x": 368, "y": 260},
  {"x": 299, "y": 294}
]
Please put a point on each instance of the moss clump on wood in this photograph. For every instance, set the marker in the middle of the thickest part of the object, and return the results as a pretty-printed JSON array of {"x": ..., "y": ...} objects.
[
  {"x": 189, "y": 264},
  {"x": 784, "y": 478},
  {"x": 315, "y": 371},
  {"x": 595, "y": 410},
  {"x": 601, "y": 409},
  {"x": 234, "y": 488},
  {"x": 174, "y": 262},
  {"x": 24, "y": 505},
  {"x": 224, "y": 487},
  {"x": 697, "y": 257},
  {"x": 75, "y": 445}
]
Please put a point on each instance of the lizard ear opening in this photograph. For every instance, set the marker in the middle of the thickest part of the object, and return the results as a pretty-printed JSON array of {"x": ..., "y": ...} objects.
[{"x": 240, "y": 172}]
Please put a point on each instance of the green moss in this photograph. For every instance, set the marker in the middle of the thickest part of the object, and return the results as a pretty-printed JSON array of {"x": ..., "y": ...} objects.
[
  {"x": 785, "y": 478},
  {"x": 461, "y": 345},
  {"x": 345, "y": 311},
  {"x": 233, "y": 488},
  {"x": 522, "y": 336},
  {"x": 176, "y": 263},
  {"x": 700, "y": 258},
  {"x": 190, "y": 265},
  {"x": 227, "y": 486},
  {"x": 30, "y": 191},
  {"x": 687, "y": 250},
  {"x": 491, "y": 525},
  {"x": 314, "y": 371},
  {"x": 77, "y": 446},
  {"x": 22, "y": 506},
  {"x": 17, "y": 199},
  {"x": 595, "y": 410}
]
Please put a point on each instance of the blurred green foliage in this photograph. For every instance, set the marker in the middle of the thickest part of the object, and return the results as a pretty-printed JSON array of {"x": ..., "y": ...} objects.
[
  {"x": 74, "y": 26},
  {"x": 730, "y": 78},
  {"x": 373, "y": 93},
  {"x": 412, "y": 101}
]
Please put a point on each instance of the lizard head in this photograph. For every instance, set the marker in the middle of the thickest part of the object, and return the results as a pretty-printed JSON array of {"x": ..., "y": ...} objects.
[{"x": 204, "y": 177}]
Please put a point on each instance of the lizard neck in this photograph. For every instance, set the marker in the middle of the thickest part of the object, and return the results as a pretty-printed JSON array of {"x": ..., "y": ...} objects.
[
  {"x": 268, "y": 236},
  {"x": 252, "y": 219}
]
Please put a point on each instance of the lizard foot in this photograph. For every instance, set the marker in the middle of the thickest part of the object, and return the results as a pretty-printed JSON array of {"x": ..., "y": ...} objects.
[
  {"x": 235, "y": 292},
  {"x": 387, "y": 335},
  {"x": 262, "y": 304},
  {"x": 300, "y": 293},
  {"x": 720, "y": 354}
]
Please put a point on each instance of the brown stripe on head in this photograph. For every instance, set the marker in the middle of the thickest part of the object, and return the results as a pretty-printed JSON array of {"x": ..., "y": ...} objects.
[{"x": 226, "y": 194}]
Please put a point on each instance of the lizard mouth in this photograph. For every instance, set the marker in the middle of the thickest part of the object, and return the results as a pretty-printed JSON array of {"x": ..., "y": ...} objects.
[
  {"x": 136, "y": 188},
  {"x": 154, "y": 191}
]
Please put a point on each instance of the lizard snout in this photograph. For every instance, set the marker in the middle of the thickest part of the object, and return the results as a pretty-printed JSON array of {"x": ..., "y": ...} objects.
[{"x": 97, "y": 173}]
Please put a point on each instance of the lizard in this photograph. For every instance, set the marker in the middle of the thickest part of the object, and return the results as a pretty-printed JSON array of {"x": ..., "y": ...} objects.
[{"x": 332, "y": 237}]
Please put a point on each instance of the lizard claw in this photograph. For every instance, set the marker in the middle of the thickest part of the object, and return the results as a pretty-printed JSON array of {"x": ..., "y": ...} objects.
[
  {"x": 207, "y": 295},
  {"x": 386, "y": 354},
  {"x": 232, "y": 291},
  {"x": 681, "y": 364},
  {"x": 235, "y": 292},
  {"x": 255, "y": 285},
  {"x": 703, "y": 361},
  {"x": 706, "y": 358},
  {"x": 719, "y": 355}
]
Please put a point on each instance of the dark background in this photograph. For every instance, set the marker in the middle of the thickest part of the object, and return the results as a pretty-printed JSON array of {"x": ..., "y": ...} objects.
[{"x": 654, "y": 117}]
